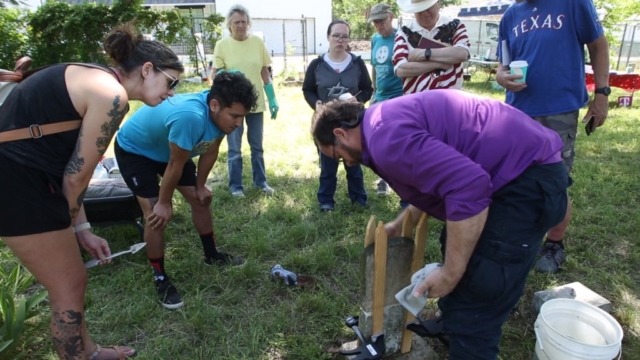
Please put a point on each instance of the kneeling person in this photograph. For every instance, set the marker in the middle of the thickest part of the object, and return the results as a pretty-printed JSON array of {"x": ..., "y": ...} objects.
[{"x": 161, "y": 141}]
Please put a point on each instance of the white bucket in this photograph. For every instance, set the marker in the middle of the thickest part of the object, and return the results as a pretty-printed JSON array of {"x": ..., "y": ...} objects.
[{"x": 568, "y": 329}]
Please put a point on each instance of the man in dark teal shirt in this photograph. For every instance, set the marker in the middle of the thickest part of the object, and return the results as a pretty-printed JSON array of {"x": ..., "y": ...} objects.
[{"x": 386, "y": 84}]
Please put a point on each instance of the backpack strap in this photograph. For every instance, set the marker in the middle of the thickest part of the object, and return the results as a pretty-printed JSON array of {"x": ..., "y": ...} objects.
[
  {"x": 25, "y": 74},
  {"x": 36, "y": 131}
]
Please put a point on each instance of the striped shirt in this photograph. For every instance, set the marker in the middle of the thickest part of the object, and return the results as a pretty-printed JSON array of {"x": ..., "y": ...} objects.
[{"x": 451, "y": 78}]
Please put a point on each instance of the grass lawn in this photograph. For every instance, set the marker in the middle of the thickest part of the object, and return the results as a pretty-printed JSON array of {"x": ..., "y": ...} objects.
[{"x": 239, "y": 313}]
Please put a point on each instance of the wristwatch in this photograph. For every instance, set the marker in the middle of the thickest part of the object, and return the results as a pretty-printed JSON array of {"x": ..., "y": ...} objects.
[
  {"x": 427, "y": 54},
  {"x": 606, "y": 91}
]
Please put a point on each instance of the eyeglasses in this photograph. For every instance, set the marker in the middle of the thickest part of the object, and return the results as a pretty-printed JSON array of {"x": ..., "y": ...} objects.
[
  {"x": 334, "y": 154},
  {"x": 340, "y": 37},
  {"x": 173, "y": 83}
]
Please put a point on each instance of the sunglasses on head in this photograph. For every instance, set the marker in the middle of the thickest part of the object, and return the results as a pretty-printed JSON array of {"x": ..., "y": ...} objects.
[{"x": 174, "y": 81}]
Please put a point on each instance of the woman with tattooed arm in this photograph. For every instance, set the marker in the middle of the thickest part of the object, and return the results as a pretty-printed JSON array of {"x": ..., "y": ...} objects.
[{"x": 44, "y": 179}]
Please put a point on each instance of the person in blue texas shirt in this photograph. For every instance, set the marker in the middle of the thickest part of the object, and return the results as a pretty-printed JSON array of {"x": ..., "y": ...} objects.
[
  {"x": 551, "y": 36},
  {"x": 161, "y": 141}
]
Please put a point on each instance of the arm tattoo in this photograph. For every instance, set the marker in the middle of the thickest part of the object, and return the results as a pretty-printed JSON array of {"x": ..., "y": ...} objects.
[
  {"x": 73, "y": 212},
  {"x": 76, "y": 162},
  {"x": 109, "y": 128},
  {"x": 66, "y": 329}
]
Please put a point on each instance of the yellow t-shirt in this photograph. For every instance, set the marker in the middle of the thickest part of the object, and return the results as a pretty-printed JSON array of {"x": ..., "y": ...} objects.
[{"x": 248, "y": 56}]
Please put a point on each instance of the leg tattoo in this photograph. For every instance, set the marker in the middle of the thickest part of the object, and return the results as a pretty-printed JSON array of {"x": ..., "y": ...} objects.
[{"x": 67, "y": 334}]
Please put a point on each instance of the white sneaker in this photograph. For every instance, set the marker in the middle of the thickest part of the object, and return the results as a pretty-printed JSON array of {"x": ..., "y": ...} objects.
[
  {"x": 383, "y": 188},
  {"x": 268, "y": 190},
  {"x": 238, "y": 193}
]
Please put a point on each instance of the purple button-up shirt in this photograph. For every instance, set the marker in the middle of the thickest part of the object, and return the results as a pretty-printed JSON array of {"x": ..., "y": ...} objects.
[{"x": 447, "y": 151}]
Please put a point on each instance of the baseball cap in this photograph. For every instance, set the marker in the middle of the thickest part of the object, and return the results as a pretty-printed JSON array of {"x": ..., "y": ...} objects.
[{"x": 379, "y": 12}]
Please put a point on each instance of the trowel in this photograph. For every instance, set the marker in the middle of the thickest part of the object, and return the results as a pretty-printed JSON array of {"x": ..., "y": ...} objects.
[{"x": 132, "y": 250}]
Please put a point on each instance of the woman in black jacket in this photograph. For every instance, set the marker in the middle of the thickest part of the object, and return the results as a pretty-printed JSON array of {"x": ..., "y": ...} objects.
[{"x": 331, "y": 75}]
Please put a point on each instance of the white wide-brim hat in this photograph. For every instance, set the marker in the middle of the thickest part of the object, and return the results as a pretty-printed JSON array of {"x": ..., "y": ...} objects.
[{"x": 415, "y": 6}]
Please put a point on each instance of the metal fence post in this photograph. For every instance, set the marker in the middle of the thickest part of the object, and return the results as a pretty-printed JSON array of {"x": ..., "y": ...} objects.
[
  {"x": 624, "y": 34},
  {"x": 303, "y": 26},
  {"x": 633, "y": 36},
  {"x": 284, "y": 44}
]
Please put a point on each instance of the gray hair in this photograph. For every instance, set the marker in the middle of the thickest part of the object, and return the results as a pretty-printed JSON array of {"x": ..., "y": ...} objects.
[{"x": 237, "y": 8}]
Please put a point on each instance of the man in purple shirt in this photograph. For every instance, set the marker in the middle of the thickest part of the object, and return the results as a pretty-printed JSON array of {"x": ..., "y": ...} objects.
[{"x": 485, "y": 168}]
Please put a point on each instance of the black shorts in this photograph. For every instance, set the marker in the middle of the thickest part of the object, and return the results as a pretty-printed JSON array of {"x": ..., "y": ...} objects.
[
  {"x": 31, "y": 201},
  {"x": 141, "y": 173}
]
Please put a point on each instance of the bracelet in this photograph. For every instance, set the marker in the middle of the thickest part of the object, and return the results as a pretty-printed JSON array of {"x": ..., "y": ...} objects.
[{"x": 80, "y": 227}]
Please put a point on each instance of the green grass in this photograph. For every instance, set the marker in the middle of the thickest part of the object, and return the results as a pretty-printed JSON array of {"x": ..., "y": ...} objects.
[{"x": 238, "y": 313}]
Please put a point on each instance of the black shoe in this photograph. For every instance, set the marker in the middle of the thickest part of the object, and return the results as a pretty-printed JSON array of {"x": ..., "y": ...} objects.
[
  {"x": 551, "y": 257},
  {"x": 223, "y": 258},
  {"x": 168, "y": 294}
]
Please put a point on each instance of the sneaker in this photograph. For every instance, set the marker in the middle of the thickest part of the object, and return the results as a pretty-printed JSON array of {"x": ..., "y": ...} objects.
[
  {"x": 238, "y": 193},
  {"x": 552, "y": 256},
  {"x": 268, "y": 190},
  {"x": 223, "y": 258},
  {"x": 326, "y": 207},
  {"x": 383, "y": 188},
  {"x": 364, "y": 205},
  {"x": 168, "y": 294}
]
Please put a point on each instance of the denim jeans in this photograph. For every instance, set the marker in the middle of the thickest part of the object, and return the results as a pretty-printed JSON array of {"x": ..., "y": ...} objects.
[
  {"x": 255, "y": 122},
  {"x": 521, "y": 213},
  {"x": 329, "y": 180}
]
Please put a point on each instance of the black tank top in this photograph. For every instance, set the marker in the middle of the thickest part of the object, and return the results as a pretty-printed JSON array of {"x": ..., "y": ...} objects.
[{"x": 40, "y": 99}]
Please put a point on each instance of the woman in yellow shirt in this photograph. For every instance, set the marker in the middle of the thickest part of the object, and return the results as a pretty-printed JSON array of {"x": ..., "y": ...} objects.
[{"x": 248, "y": 54}]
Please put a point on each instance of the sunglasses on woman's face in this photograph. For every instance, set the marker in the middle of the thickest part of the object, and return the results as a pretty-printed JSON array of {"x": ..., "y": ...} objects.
[{"x": 171, "y": 84}]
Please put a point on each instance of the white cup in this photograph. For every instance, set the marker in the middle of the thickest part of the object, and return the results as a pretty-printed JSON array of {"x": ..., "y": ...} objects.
[
  {"x": 519, "y": 67},
  {"x": 345, "y": 96}
]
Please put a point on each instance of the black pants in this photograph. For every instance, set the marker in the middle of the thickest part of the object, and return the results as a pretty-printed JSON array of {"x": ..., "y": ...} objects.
[
  {"x": 141, "y": 173},
  {"x": 520, "y": 215}
]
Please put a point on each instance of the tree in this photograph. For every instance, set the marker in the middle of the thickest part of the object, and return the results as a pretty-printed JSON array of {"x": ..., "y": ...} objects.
[
  {"x": 60, "y": 32},
  {"x": 616, "y": 14},
  {"x": 3, "y": 3},
  {"x": 617, "y": 11},
  {"x": 13, "y": 36}
]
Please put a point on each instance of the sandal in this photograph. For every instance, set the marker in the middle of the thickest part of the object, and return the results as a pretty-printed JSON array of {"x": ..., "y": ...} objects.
[{"x": 119, "y": 351}]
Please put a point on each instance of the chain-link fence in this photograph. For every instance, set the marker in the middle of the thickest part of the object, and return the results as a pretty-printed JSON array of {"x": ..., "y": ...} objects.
[
  {"x": 625, "y": 55},
  {"x": 288, "y": 41},
  {"x": 195, "y": 48}
]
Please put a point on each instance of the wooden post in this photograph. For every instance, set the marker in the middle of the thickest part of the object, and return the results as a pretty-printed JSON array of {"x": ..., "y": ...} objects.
[
  {"x": 379, "y": 280},
  {"x": 388, "y": 264},
  {"x": 416, "y": 264},
  {"x": 370, "y": 233}
]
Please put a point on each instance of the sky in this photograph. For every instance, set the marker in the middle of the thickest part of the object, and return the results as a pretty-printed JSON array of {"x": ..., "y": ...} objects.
[{"x": 31, "y": 4}]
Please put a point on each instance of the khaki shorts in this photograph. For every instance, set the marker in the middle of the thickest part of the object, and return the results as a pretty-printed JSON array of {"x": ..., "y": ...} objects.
[{"x": 566, "y": 125}]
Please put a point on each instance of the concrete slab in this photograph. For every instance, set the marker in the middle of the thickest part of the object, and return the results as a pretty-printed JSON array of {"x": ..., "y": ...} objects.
[
  {"x": 574, "y": 290},
  {"x": 420, "y": 350}
]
